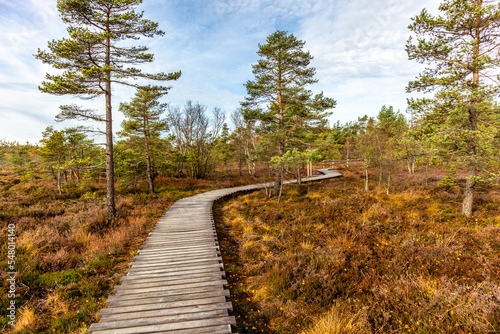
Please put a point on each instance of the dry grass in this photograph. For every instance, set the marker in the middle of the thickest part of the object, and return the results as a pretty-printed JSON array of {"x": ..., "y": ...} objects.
[
  {"x": 68, "y": 260},
  {"x": 335, "y": 259}
]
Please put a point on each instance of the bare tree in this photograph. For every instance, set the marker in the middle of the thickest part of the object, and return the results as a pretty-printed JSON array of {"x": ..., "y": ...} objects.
[
  {"x": 246, "y": 141},
  {"x": 195, "y": 135}
]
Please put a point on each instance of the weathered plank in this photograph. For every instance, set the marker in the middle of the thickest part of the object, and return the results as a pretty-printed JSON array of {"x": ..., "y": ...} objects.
[
  {"x": 177, "y": 307},
  {"x": 168, "y": 299},
  {"x": 192, "y": 325}
]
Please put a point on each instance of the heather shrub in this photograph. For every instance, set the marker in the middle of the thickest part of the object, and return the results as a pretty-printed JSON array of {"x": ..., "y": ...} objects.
[{"x": 339, "y": 260}]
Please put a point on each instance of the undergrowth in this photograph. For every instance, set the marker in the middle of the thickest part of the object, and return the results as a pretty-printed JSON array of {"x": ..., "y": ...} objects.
[
  {"x": 67, "y": 258},
  {"x": 331, "y": 258}
]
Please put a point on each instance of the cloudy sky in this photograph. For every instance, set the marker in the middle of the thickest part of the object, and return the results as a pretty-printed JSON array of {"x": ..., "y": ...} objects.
[{"x": 358, "y": 49}]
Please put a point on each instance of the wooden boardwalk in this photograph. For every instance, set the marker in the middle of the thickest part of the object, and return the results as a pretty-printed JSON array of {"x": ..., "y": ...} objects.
[{"x": 176, "y": 283}]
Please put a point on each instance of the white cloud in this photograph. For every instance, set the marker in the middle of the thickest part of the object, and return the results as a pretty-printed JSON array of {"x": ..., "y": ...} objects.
[
  {"x": 359, "y": 53},
  {"x": 358, "y": 48}
]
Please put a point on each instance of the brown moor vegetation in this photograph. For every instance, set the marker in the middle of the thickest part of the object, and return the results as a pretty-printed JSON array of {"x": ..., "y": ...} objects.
[
  {"x": 332, "y": 258},
  {"x": 67, "y": 259}
]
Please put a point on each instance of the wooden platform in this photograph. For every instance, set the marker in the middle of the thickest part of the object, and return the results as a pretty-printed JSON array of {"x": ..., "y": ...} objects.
[{"x": 176, "y": 283}]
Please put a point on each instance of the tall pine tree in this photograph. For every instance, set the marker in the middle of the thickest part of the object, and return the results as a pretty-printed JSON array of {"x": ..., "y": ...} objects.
[
  {"x": 144, "y": 124},
  {"x": 94, "y": 58},
  {"x": 462, "y": 44},
  {"x": 277, "y": 98}
]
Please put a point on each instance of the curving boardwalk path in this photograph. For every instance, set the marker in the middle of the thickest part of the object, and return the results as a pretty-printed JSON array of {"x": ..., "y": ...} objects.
[{"x": 176, "y": 283}]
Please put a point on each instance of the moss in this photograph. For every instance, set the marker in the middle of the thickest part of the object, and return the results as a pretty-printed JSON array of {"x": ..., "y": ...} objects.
[
  {"x": 63, "y": 277},
  {"x": 102, "y": 262}
]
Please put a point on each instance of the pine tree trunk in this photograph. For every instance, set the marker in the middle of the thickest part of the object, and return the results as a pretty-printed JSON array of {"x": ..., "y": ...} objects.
[
  {"x": 347, "y": 154},
  {"x": 470, "y": 183},
  {"x": 279, "y": 171},
  {"x": 299, "y": 179},
  {"x": 281, "y": 145},
  {"x": 110, "y": 171},
  {"x": 281, "y": 186},
  {"x": 149, "y": 170},
  {"x": 149, "y": 165},
  {"x": 277, "y": 180},
  {"x": 59, "y": 181}
]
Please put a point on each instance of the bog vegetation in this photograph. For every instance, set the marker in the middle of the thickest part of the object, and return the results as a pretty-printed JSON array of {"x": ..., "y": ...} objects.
[
  {"x": 407, "y": 241},
  {"x": 332, "y": 258}
]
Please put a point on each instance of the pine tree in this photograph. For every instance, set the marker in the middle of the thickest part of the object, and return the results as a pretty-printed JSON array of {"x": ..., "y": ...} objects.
[
  {"x": 144, "y": 123},
  {"x": 55, "y": 151},
  {"x": 94, "y": 58},
  {"x": 462, "y": 44},
  {"x": 278, "y": 97}
]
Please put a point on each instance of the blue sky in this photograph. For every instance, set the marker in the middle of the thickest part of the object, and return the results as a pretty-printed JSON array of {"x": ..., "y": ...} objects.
[{"x": 358, "y": 49}]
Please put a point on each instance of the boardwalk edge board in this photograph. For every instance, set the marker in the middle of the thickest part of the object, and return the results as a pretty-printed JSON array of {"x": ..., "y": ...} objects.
[{"x": 176, "y": 283}]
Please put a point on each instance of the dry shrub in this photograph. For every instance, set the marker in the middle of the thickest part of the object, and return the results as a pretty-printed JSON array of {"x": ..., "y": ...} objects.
[
  {"x": 26, "y": 223},
  {"x": 56, "y": 261},
  {"x": 441, "y": 305},
  {"x": 338, "y": 321},
  {"x": 114, "y": 240},
  {"x": 56, "y": 305},
  {"x": 37, "y": 240},
  {"x": 26, "y": 319}
]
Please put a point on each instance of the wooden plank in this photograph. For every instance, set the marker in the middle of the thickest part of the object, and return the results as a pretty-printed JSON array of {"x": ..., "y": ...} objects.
[
  {"x": 220, "y": 329},
  {"x": 167, "y": 256},
  {"x": 162, "y": 294},
  {"x": 154, "y": 310},
  {"x": 186, "y": 248},
  {"x": 211, "y": 250},
  {"x": 176, "y": 307},
  {"x": 160, "y": 320},
  {"x": 192, "y": 325},
  {"x": 172, "y": 274},
  {"x": 168, "y": 299},
  {"x": 139, "y": 271},
  {"x": 137, "y": 285},
  {"x": 174, "y": 263},
  {"x": 175, "y": 244},
  {"x": 153, "y": 278},
  {"x": 218, "y": 283},
  {"x": 167, "y": 259},
  {"x": 179, "y": 244},
  {"x": 172, "y": 278}
]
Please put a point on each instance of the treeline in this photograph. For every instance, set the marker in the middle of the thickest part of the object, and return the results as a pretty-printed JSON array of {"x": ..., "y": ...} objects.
[{"x": 191, "y": 142}]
